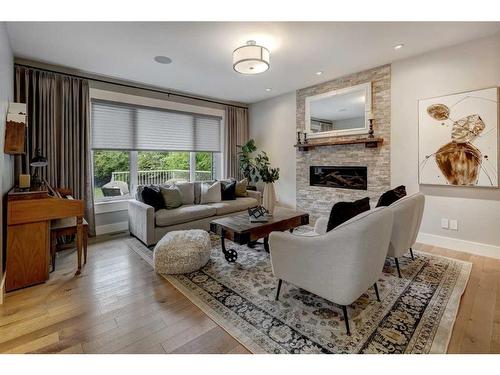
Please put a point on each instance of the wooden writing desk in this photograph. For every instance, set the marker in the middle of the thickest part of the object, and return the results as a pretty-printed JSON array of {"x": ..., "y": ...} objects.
[{"x": 28, "y": 234}]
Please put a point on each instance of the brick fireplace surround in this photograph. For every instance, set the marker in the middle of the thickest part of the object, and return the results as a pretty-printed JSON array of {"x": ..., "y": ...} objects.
[{"x": 319, "y": 200}]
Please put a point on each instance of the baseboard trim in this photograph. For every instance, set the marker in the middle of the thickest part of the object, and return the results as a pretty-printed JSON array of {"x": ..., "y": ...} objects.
[
  {"x": 471, "y": 247},
  {"x": 2, "y": 289},
  {"x": 111, "y": 228}
]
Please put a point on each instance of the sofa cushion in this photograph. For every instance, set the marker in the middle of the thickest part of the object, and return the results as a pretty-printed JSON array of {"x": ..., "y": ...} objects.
[
  {"x": 152, "y": 197},
  {"x": 239, "y": 204},
  {"x": 183, "y": 214},
  {"x": 343, "y": 211},
  {"x": 228, "y": 190},
  {"x": 187, "y": 192},
  {"x": 210, "y": 193},
  {"x": 171, "y": 196},
  {"x": 241, "y": 188},
  {"x": 391, "y": 196}
]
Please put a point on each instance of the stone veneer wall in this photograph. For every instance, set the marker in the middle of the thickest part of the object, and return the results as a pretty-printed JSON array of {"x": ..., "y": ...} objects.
[{"x": 319, "y": 200}]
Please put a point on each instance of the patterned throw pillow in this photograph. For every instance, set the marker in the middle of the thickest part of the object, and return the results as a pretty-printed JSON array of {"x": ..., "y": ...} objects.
[
  {"x": 171, "y": 196},
  {"x": 241, "y": 188},
  {"x": 210, "y": 193},
  {"x": 391, "y": 196},
  {"x": 343, "y": 211}
]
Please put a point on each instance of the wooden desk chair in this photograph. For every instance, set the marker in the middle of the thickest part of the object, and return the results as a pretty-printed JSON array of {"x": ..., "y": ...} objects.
[{"x": 66, "y": 227}]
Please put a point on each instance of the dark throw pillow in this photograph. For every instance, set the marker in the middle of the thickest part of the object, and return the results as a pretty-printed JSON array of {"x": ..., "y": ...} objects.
[
  {"x": 228, "y": 190},
  {"x": 343, "y": 211},
  {"x": 391, "y": 196},
  {"x": 151, "y": 195}
]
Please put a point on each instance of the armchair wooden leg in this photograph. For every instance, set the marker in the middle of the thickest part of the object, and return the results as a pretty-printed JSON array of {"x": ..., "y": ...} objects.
[
  {"x": 375, "y": 286},
  {"x": 346, "y": 319},
  {"x": 278, "y": 289},
  {"x": 397, "y": 266},
  {"x": 411, "y": 253}
]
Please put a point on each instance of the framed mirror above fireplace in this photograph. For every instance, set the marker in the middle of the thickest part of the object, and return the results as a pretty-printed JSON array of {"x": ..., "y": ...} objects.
[{"x": 339, "y": 112}]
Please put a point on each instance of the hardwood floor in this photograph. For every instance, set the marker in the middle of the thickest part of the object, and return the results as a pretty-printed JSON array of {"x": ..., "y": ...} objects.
[{"x": 119, "y": 305}]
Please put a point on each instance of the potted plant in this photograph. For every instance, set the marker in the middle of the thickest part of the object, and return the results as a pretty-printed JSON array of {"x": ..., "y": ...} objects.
[
  {"x": 269, "y": 176},
  {"x": 246, "y": 162}
]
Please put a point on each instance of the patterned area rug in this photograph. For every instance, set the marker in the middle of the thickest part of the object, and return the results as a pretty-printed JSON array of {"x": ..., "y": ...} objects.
[{"x": 416, "y": 313}]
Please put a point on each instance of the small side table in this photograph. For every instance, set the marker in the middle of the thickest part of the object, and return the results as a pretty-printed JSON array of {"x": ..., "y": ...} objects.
[{"x": 67, "y": 227}]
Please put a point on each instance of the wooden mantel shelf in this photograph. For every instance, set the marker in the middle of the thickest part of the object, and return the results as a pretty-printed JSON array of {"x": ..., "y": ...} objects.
[{"x": 368, "y": 142}]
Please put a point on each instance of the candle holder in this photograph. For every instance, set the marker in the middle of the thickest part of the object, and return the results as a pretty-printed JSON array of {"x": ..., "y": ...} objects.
[
  {"x": 370, "y": 132},
  {"x": 299, "y": 140}
]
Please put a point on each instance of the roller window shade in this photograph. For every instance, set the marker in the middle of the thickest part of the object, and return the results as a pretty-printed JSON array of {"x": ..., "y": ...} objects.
[{"x": 118, "y": 126}]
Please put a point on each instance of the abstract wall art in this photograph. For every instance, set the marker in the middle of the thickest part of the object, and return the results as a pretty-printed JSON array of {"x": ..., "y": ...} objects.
[{"x": 458, "y": 139}]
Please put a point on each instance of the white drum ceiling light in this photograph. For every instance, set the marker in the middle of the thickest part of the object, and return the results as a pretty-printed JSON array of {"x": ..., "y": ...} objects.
[{"x": 251, "y": 59}]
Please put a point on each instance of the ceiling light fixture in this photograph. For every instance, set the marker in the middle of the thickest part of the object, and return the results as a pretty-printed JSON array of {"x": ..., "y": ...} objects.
[
  {"x": 163, "y": 60},
  {"x": 251, "y": 58},
  {"x": 399, "y": 46},
  {"x": 268, "y": 89},
  {"x": 319, "y": 73}
]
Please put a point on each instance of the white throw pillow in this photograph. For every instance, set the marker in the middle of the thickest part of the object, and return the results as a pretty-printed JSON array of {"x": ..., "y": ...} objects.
[
  {"x": 187, "y": 192},
  {"x": 210, "y": 193}
]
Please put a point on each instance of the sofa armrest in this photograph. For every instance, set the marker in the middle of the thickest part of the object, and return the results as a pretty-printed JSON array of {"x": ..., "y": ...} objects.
[
  {"x": 141, "y": 219},
  {"x": 321, "y": 225},
  {"x": 255, "y": 194}
]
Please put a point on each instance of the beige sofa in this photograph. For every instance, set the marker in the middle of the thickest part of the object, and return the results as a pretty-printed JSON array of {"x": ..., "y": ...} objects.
[{"x": 150, "y": 226}]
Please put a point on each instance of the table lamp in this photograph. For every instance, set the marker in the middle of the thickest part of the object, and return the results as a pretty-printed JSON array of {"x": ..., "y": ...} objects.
[{"x": 39, "y": 161}]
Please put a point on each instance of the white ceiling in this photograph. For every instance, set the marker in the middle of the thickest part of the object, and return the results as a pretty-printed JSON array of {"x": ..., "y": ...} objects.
[{"x": 202, "y": 51}]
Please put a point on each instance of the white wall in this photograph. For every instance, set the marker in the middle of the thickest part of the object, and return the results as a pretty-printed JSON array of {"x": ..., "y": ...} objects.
[
  {"x": 272, "y": 125},
  {"x": 465, "y": 67},
  {"x": 6, "y": 95}
]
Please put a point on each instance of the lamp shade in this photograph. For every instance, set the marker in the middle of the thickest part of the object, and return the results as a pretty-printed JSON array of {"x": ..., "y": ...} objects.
[
  {"x": 39, "y": 160},
  {"x": 251, "y": 58}
]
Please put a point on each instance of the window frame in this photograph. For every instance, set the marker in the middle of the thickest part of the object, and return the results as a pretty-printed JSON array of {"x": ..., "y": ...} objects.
[{"x": 218, "y": 170}]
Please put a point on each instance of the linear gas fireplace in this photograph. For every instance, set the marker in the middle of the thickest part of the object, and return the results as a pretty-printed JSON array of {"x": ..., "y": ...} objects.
[{"x": 339, "y": 177}]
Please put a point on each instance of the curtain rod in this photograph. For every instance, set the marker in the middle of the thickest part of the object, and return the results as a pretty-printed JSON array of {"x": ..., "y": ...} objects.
[{"x": 129, "y": 85}]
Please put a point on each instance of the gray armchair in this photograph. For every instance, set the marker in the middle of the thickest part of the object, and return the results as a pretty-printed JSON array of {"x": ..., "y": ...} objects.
[{"x": 339, "y": 265}]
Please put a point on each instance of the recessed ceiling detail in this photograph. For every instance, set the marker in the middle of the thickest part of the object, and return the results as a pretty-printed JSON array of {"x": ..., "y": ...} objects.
[
  {"x": 251, "y": 58},
  {"x": 163, "y": 60}
]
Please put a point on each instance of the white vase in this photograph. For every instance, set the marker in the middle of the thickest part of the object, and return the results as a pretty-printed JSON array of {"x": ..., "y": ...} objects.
[{"x": 269, "y": 198}]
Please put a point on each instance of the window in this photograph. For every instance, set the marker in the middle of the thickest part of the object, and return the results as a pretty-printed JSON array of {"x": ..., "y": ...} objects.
[
  {"x": 137, "y": 145},
  {"x": 114, "y": 176},
  {"x": 111, "y": 173}
]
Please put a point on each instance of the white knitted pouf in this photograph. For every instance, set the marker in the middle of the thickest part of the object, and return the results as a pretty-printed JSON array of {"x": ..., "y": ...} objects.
[{"x": 182, "y": 251}]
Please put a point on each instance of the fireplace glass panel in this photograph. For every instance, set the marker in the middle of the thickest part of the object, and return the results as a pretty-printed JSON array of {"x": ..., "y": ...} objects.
[{"x": 339, "y": 177}]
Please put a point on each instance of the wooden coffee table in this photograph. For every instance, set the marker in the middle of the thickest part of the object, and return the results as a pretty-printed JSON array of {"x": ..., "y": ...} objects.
[{"x": 239, "y": 229}]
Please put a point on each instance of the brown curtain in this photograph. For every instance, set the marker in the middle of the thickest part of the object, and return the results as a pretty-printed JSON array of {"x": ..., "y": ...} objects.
[
  {"x": 59, "y": 125},
  {"x": 236, "y": 135}
]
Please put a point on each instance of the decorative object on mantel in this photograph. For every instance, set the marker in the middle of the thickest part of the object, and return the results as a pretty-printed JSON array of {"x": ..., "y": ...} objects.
[
  {"x": 301, "y": 137},
  {"x": 370, "y": 118},
  {"x": 458, "y": 139},
  {"x": 15, "y": 129},
  {"x": 368, "y": 142}
]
